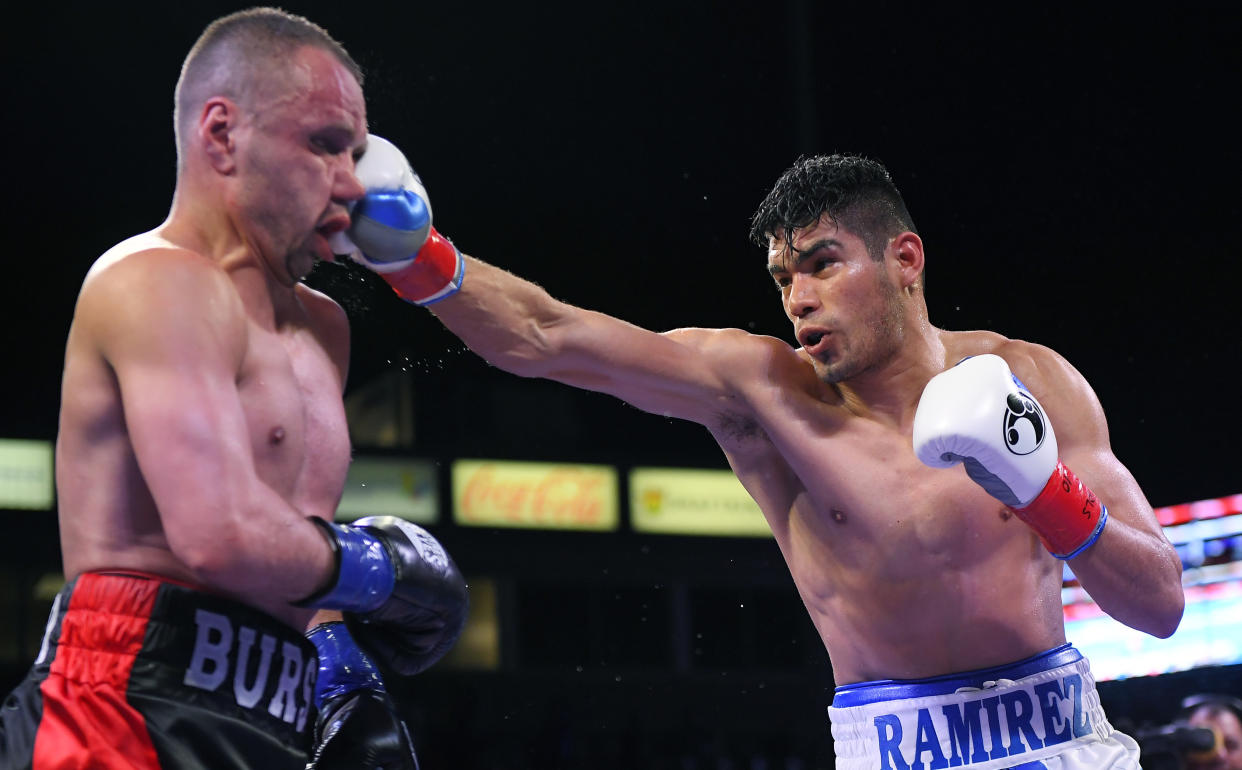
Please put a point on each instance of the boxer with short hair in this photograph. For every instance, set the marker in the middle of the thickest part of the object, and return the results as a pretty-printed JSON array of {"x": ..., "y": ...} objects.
[
  {"x": 203, "y": 449},
  {"x": 924, "y": 486}
]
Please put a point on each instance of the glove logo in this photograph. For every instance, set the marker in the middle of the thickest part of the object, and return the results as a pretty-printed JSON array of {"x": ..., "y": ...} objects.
[
  {"x": 1024, "y": 424},
  {"x": 427, "y": 546}
]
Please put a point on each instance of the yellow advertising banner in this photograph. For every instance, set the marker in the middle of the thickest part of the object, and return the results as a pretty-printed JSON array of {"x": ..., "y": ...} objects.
[
  {"x": 495, "y": 493},
  {"x": 681, "y": 501},
  {"x": 26, "y": 476}
]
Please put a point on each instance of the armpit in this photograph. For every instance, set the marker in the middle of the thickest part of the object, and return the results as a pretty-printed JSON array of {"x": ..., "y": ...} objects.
[{"x": 731, "y": 428}]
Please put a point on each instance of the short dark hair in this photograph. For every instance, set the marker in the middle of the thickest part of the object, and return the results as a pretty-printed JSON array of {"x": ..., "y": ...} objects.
[
  {"x": 851, "y": 191},
  {"x": 234, "y": 51}
]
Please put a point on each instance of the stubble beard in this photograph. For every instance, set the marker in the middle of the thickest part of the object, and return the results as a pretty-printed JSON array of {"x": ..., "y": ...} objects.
[{"x": 881, "y": 345}]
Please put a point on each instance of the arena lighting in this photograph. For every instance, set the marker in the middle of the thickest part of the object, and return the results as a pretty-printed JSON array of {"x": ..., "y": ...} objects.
[
  {"x": 26, "y": 475},
  {"x": 1208, "y": 536},
  {"x": 1200, "y": 509}
]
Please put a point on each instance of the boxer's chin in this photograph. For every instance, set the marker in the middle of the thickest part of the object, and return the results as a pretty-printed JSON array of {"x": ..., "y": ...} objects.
[{"x": 301, "y": 262}]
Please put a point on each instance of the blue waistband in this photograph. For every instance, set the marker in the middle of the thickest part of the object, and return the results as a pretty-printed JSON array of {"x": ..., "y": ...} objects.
[{"x": 862, "y": 693}]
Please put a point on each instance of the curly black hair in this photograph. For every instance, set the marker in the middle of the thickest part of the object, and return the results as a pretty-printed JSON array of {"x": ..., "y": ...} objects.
[{"x": 851, "y": 191}]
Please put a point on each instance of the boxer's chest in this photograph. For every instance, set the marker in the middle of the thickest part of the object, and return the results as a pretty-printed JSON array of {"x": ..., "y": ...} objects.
[
  {"x": 857, "y": 498},
  {"x": 290, "y": 392}
]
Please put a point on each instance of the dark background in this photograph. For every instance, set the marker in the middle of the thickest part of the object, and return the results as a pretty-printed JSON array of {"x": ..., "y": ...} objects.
[{"x": 1074, "y": 174}]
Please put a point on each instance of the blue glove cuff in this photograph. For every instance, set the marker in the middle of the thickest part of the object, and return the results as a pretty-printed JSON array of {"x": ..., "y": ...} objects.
[
  {"x": 343, "y": 667},
  {"x": 364, "y": 571},
  {"x": 1095, "y": 535}
]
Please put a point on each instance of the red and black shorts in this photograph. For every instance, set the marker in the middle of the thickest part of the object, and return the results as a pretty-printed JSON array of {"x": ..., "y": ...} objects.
[{"x": 136, "y": 672}]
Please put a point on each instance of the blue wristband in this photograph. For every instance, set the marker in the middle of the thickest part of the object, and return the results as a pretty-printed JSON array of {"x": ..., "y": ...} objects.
[
  {"x": 343, "y": 667},
  {"x": 364, "y": 571},
  {"x": 1095, "y": 535}
]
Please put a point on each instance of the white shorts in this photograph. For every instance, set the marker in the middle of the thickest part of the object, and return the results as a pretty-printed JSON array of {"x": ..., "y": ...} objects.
[{"x": 1042, "y": 713}]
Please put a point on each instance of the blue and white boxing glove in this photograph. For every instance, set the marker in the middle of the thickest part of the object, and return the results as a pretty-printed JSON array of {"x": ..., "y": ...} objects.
[
  {"x": 358, "y": 726},
  {"x": 403, "y": 598},
  {"x": 979, "y": 414},
  {"x": 390, "y": 229}
]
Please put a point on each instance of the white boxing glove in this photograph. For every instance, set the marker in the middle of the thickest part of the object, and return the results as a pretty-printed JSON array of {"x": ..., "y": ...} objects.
[
  {"x": 390, "y": 229},
  {"x": 979, "y": 414}
]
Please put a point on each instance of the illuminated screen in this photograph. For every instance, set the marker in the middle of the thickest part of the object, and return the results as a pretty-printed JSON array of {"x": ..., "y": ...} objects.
[
  {"x": 26, "y": 479},
  {"x": 1208, "y": 537},
  {"x": 693, "y": 502},
  {"x": 498, "y": 493},
  {"x": 385, "y": 486}
]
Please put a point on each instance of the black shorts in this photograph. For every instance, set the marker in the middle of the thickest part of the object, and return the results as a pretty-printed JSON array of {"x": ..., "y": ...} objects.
[{"x": 137, "y": 672}]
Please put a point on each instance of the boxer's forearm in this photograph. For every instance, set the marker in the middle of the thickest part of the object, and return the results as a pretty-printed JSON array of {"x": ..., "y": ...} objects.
[
  {"x": 511, "y": 322},
  {"x": 1132, "y": 571},
  {"x": 1132, "y": 577}
]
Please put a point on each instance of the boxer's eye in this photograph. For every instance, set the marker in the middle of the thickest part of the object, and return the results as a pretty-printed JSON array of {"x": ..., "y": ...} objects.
[{"x": 330, "y": 143}]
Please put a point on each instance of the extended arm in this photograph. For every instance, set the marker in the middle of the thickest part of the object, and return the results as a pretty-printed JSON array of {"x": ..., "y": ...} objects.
[{"x": 516, "y": 325}]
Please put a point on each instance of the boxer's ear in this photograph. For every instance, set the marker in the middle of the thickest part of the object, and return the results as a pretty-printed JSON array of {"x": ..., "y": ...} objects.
[
  {"x": 217, "y": 132},
  {"x": 906, "y": 253}
]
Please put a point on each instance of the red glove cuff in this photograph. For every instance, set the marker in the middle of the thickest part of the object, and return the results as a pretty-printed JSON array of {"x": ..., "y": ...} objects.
[
  {"x": 436, "y": 272},
  {"x": 1066, "y": 515}
]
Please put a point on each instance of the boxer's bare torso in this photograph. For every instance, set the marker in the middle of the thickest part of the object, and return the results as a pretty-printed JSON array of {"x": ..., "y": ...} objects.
[
  {"x": 906, "y": 571},
  {"x": 288, "y": 356}
]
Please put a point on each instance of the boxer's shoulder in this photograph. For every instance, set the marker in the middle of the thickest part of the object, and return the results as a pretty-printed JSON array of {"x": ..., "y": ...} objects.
[
  {"x": 1062, "y": 390},
  {"x": 730, "y": 348},
  {"x": 142, "y": 252},
  {"x": 146, "y": 269},
  {"x": 323, "y": 312},
  {"x": 974, "y": 342},
  {"x": 149, "y": 291},
  {"x": 751, "y": 367},
  {"x": 328, "y": 322},
  {"x": 1026, "y": 359}
]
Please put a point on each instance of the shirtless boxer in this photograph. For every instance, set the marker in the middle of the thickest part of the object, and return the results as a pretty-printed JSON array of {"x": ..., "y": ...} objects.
[
  {"x": 918, "y": 502},
  {"x": 203, "y": 449}
]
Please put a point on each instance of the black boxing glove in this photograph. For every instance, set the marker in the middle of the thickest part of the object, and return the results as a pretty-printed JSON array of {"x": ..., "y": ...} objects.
[
  {"x": 362, "y": 732},
  {"x": 358, "y": 727},
  {"x": 403, "y": 597}
]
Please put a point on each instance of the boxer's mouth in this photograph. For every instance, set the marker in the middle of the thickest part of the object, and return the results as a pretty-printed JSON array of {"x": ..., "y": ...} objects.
[
  {"x": 333, "y": 226},
  {"x": 810, "y": 337}
]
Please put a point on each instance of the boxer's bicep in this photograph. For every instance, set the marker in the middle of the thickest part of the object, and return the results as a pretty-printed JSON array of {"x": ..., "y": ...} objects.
[
  {"x": 679, "y": 373},
  {"x": 176, "y": 349}
]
